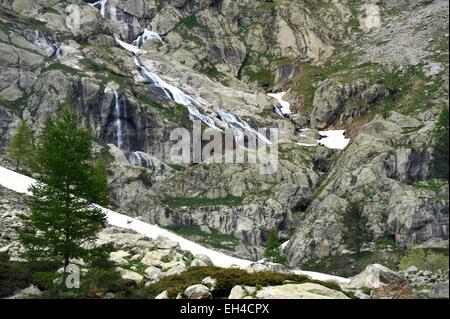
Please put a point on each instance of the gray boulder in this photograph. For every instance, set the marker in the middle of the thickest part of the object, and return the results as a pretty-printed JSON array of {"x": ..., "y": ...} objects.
[{"x": 197, "y": 292}]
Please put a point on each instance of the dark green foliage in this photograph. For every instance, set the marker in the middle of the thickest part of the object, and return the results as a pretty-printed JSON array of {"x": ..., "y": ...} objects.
[
  {"x": 15, "y": 276},
  {"x": 424, "y": 260},
  {"x": 62, "y": 217},
  {"x": 273, "y": 251},
  {"x": 175, "y": 202},
  {"x": 215, "y": 239},
  {"x": 20, "y": 147},
  {"x": 226, "y": 278},
  {"x": 355, "y": 231},
  {"x": 440, "y": 153},
  {"x": 349, "y": 265},
  {"x": 191, "y": 22}
]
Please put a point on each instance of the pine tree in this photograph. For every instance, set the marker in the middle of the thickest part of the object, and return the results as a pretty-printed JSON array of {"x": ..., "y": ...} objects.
[
  {"x": 273, "y": 251},
  {"x": 441, "y": 146},
  {"x": 355, "y": 231},
  {"x": 63, "y": 220},
  {"x": 20, "y": 147}
]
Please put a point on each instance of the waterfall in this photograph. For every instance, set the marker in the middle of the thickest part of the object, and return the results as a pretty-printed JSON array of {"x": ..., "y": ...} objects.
[
  {"x": 180, "y": 97},
  {"x": 237, "y": 125},
  {"x": 140, "y": 159},
  {"x": 117, "y": 116},
  {"x": 118, "y": 122},
  {"x": 176, "y": 94},
  {"x": 147, "y": 35},
  {"x": 102, "y": 4},
  {"x": 278, "y": 111}
]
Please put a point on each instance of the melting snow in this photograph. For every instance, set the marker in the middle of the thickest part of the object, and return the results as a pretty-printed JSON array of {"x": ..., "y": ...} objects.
[
  {"x": 285, "y": 106},
  {"x": 334, "y": 139},
  {"x": 129, "y": 47}
]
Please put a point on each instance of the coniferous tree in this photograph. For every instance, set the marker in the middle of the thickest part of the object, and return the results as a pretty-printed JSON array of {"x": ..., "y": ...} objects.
[
  {"x": 355, "y": 231},
  {"x": 441, "y": 146},
  {"x": 273, "y": 251},
  {"x": 20, "y": 147},
  {"x": 63, "y": 220}
]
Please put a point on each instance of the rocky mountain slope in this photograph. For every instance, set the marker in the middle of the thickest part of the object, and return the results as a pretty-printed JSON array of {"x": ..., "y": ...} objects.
[{"x": 137, "y": 69}]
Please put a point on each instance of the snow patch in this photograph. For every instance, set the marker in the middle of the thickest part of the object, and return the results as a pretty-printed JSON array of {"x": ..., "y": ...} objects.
[
  {"x": 285, "y": 106},
  {"x": 129, "y": 47},
  {"x": 334, "y": 139}
]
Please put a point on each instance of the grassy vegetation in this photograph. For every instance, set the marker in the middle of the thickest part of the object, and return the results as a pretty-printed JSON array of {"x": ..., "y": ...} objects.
[
  {"x": 352, "y": 264},
  {"x": 15, "y": 276},
  {"x": 24, "y": 21},
  {"x": 268, "y": 4},
  {"x": 434, "y": 185},
  {"x": 430, "y": 260},
  {"x": 226, "y": 279},
  {"x": 104, "y": 152},
  {"x": 178, "y": 114},
  {"x": 177, "y": 167},
  {"x": 385, "y": 254},
  {"x": 15, "y": 106},
  {"x": 61, "y": 67},
  {"x": 175, "y": 202},
  {"x": 214, "y": 239},
  {"x": 97, "y": 282},
  {"x": 191, "y": 22},
  {"x": 94, "y": 66}
]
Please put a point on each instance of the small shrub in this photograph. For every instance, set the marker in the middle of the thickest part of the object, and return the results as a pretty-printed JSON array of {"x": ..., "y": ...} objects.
[
  {"x": 226, "y": 278},
  {"x": 423, "y": 260}
]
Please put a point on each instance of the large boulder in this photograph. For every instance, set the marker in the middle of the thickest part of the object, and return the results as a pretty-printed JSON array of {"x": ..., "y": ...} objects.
[
  {"x": 153, "y": 274},
  {"x": 202, "y": 261},
  {"x": 384, "y": 283},
  {"x": 375, "y": 276},
  {"x": 119, "y": 257},
  {"x": 27, "y": 293},
  {"x": 165, "y": 243},
  {"x": 129, "y": 275},
  {"x": 240, "y": 292},
  {"x": 197, "y": 292},
  {"x": 300, "y": 291},
  {"x": 337, "y": 103}
]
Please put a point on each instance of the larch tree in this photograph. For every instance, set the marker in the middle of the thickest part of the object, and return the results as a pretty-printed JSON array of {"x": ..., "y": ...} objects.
[
  {"x": 20, "y": 147},
  {"x": 64, "y": 222}
]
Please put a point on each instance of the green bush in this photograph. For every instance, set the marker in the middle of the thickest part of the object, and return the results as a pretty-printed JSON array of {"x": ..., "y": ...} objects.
[
  {"x": 15, "y": 276},
  {"x": 226, "y": 278},
  {"x": 423, "y": 260}
]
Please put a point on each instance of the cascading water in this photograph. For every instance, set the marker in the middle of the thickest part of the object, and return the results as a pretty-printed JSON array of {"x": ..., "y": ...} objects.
[
  {"x": 140, "y": 159},
  {"x": 147, "y": 35},
  {"x": 117, "y": 116},
  {"x": 234, "y": 123},
  {"x": 102, "y": 4},
  {"x": 118, "y": 120},
  {"x": 176, "y": 94}
]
